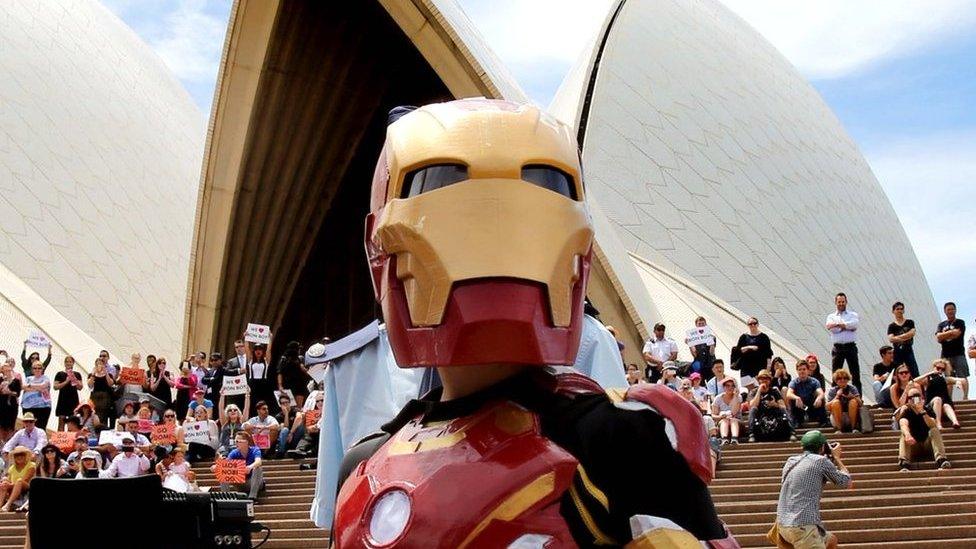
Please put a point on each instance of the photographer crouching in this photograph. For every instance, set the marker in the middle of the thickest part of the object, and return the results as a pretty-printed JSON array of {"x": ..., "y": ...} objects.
[
  {"x": 920, "y": 435},
  {"x": 798, "y": 523}
]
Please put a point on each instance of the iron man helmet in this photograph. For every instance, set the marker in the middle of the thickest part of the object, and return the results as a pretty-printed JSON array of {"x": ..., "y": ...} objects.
[{"x": 478, "y": 238}]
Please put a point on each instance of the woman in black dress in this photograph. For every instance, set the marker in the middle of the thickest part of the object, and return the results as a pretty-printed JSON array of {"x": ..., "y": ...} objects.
[
  {"x": 161, "y": 382},
  {"x": 67, "y": 383},
  {"x": 262, "y": 379},
  {"x": 292, "y": 373},
  {"x": 9, "y": 394},
  {"x": 102, "y": 384},
  {"x": 755, "y": 353}
]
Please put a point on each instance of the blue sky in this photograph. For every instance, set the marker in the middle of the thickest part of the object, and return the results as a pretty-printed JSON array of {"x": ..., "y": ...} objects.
[{"x": 900, "y": 74}]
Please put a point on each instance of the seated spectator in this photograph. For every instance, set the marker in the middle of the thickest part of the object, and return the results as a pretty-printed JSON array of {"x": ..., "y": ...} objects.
[
  {"x": 714, "y": 385},
  {"x": 633, "y": 374},
  {"x": 687, "y": 392},
  {"x": 882, "y": 376},
  {"x": 141, "y": 441},
  {"x": 898, "y": 392},
  {"x": 89, "y": 465},
  {"x": 72, "y": 465},
  {"x": 290, "y": 433},
  {"x": 51, "y": 464},
  {"x": 263, "y": 424},
  {"x": 231, "y": 421},
  {"x": 128, "y": 414},
  {"x": 30, "y": 437},
  {"x": 919, "y": 437},
  {"x": 768, "y": 419},
  {"x": 814, "y": 364},
  {"x": 938, "y": 394},
  {"x": 16, "y": 483},
  {"x": 727, "y": 411},
  {"x": 203, "y": 451},
  {"x": 669, "y": 375},
  {"x": 199, "y": 400},
  {"x": 309, "y": 445},
  {"x": 843, "y": 398},
  {"x": 130, "y": 462},
  {"x": 144, "y": 422},
  {"x": 700, "y": 392},
  {"x": 177, "y": 466},
  {"x": 245, "y": 449},
  {"x": 805, "y": 396},
  {"x": 781, "y": 377}
]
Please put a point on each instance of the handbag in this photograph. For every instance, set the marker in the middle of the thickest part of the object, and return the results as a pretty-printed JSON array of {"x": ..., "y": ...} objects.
[{"x": 867, "y": 420}]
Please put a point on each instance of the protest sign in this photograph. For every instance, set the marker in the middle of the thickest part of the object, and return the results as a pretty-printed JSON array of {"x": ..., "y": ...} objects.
[
  {"x": 230, "y": 470},
  {"x": 235, "y": 385},
  {"x": 109, "y": 436},
  {"x": 196, "y": 431},
  {"x": 700, "y": 336},
  {"x": 36, "y": 338},
  {"x": 145, "y": 426},
  {"x": 312, "y": 418},
  {"x": 286, "y": 392},
  {"x": 262, "y": 440},
  {"x": 258, "y": 333},
  {"x": 164, "y": 433},
  {"x": 176, "y": 483},
  {"x": 64, "y": 440},
  {"x": 132, "y": 376}
]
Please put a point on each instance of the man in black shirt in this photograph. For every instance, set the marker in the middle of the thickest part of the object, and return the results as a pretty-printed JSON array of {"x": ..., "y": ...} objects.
[
  {"x": 901, "y": 335},
  {"x": 950, "y": 335},
  {"x": 920, "y": 436},
  {"x": 881, "y": 372}
]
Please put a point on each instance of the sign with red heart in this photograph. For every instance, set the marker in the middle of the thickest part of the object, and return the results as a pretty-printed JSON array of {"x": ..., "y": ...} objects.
[
  {"x": 234, "y": 385},
  {"x": 700, "y": 336},
  {"x": 196, "y": 431},
  {"x": 258, "y": 333}
]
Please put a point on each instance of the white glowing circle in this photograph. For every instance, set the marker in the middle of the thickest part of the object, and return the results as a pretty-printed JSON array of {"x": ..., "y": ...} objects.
[
  {"x": 316, "y": 350},
  {"x": 390, "y": 515}
]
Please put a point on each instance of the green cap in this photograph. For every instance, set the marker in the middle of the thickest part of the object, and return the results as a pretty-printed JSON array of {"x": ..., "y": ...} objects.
[{"x": 813, "y": 440}]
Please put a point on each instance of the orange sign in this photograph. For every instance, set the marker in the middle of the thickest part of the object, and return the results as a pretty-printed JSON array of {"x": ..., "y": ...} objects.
[
  {"x": 64, "y": 440},
  {"x": 312, "y": 418},
  {"x": 231, "y": 470},
  {"x": 132, "y": 376},
  {"x": 262, "y": 440},
  {"x": 164, "y": 433}
]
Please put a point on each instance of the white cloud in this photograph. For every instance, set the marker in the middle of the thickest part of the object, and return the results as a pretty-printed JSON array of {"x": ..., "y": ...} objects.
[
  {"x": 191, "y": 42},
  {"x": 833, "y": 38}
]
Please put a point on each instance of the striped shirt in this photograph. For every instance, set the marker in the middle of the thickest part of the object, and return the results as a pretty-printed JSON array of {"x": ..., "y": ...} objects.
[{"x": 799, "y": 497}]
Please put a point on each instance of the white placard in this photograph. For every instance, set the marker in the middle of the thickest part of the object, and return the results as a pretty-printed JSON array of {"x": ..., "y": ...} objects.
[
  {"x": 288, "y": 392},
  {"x": 700, "y": 336},
  {"x": 111, "y": 436},
  {"x": 258, "y": 333},
  {"x": 196, "y": 431},
  {"x": 176, "y": 483},
  {"x": 235, "y": 385},
  {"x": 36, "y": 338}
]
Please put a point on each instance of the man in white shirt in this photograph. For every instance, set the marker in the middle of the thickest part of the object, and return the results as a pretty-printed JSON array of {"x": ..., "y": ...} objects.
[
  {"x": 129, "y": 463},
  {"x": 842, "y": 325},
  {"x": 658, "y": 350},
  {"x": 263, "y": 424},
  {"x": 30, "y": 436}
]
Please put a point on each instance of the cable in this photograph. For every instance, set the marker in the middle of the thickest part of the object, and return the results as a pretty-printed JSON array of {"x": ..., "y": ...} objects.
[{"x": 266, "y": 536}]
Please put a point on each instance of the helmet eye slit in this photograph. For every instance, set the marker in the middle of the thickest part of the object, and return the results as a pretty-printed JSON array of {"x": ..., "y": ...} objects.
[
  {"x": 431, "y": 178},
  {"x": 550, "y": 178}
]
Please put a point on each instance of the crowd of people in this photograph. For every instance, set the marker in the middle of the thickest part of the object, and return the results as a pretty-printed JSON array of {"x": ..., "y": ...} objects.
[
  {"x": 766, "y": 403},
  {"x": 143, "y": 418}
]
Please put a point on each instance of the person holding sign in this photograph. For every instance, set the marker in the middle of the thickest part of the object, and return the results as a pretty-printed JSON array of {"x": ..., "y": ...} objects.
[
  {"x": 263, "y": 427},
  {"x": 262, "y": 378},
  {"x": 231, "y": 421},
  {"x": 26, "y": 361},
  {"x": 701, "y": 343},
  {"x": 201, "y": 436},
  {"x": 37, "y": 395},
  {"x": 246, "y": 451},
  {"x": 309, "y": 444},
  {"x": 67, "y": 383}
]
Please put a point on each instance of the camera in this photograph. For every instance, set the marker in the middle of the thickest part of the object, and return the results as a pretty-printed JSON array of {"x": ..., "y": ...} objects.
[{"x": 916, "y": 400}]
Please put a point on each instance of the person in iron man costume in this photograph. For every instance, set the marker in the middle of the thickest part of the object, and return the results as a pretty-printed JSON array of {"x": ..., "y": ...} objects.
[{"x": 479, "y": 244}]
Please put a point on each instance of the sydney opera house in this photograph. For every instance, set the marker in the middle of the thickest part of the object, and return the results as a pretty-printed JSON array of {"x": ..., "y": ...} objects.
[{"x": 719, "y": 181}]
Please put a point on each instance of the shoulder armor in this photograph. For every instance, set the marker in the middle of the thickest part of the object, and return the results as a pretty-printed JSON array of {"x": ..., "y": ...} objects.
[
  {"x": 568, "y": 381},
  {"x": 683, "y": 423}
]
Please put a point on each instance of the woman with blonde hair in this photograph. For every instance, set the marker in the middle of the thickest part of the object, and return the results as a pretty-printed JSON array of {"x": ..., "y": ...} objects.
[{"x": 727, "y": 411}]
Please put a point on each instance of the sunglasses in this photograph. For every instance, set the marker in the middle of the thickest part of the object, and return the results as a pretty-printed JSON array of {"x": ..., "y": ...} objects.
[
  {"x": 904, "y": 373},
  {"x": 169, "y": 415},
  {"x": 50, "y": 451},
  {"x": 752, "y": 324}
]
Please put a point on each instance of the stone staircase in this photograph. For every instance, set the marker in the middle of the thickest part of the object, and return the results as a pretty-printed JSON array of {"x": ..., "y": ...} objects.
[{"x": 886, "y": 508}]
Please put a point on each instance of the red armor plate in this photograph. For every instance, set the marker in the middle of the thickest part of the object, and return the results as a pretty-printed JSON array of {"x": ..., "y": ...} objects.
[{"x": 481, "y": 480}]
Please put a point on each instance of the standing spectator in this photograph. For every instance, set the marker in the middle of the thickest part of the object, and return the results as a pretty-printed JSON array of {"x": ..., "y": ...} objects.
[
  {"x": 240, "y": 360},
  {"x": 841, "y": 398},
  {"x": 262, "y": 378},
  {"x": 798, "y": 519},
  {"x": 703, "y": 353},
  {"x": 813, "y": 363},
  {"x": 30, "y": 437},
  {"x": 658, "y": 350},
  {"x": 185, "y": 385},
  {"x": 805, "y": 397},
  {"x": 101, "y": 383},
  {"x": 937, "y": 394},
  {"x": 755, "y": 353},
  {"x": 882, "y": 373},
  {"x": 714, "y": 385},
  {"x": 67, "y": 383},
  {"x": 842, "y": 325},
  {"x": 919, "y": 436},
  {"x": 768, "y": 419},
  {"x": 727, "y": 408},
  {"x": 781, "y": 377},
  {"x": 292, "y": 373},
  {"x": 130, "y": 462},
  {"x": 221, "y": 370},
  {"x": 135, "y": 361},
  {"x": 160, "y": 381},
  {"x": 950, "y": 334},
  {"x": 9, "y": 398},
  {"x": 27, "y": 361},
  {"x": 291, "y": 433},
  {"x": 633, "y": 374},
  {"x": 901, "y": 335},
  {"x": 245, "y": 450},
  {"x": 16, "y": 483},
  {"x": 203, "y": 371},
  {"x": 37, "y": 395}
]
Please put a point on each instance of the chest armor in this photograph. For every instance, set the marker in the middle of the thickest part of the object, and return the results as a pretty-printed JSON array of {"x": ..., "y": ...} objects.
[{"x": 489, "y": 479}]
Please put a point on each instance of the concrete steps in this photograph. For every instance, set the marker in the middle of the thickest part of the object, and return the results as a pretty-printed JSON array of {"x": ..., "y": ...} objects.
[{"x": 886, "y": 509}]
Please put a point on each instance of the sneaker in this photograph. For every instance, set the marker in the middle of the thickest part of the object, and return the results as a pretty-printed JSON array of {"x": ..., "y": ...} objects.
[
  {"x": 724, "y": 442},
  {"x": 752, "y": 438},
  {"x": 855, "y": 431},
  {"x": 903, "y": 465},
  {"x": 943, "y": 464},
  {"x": 734, "y": 441}
]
